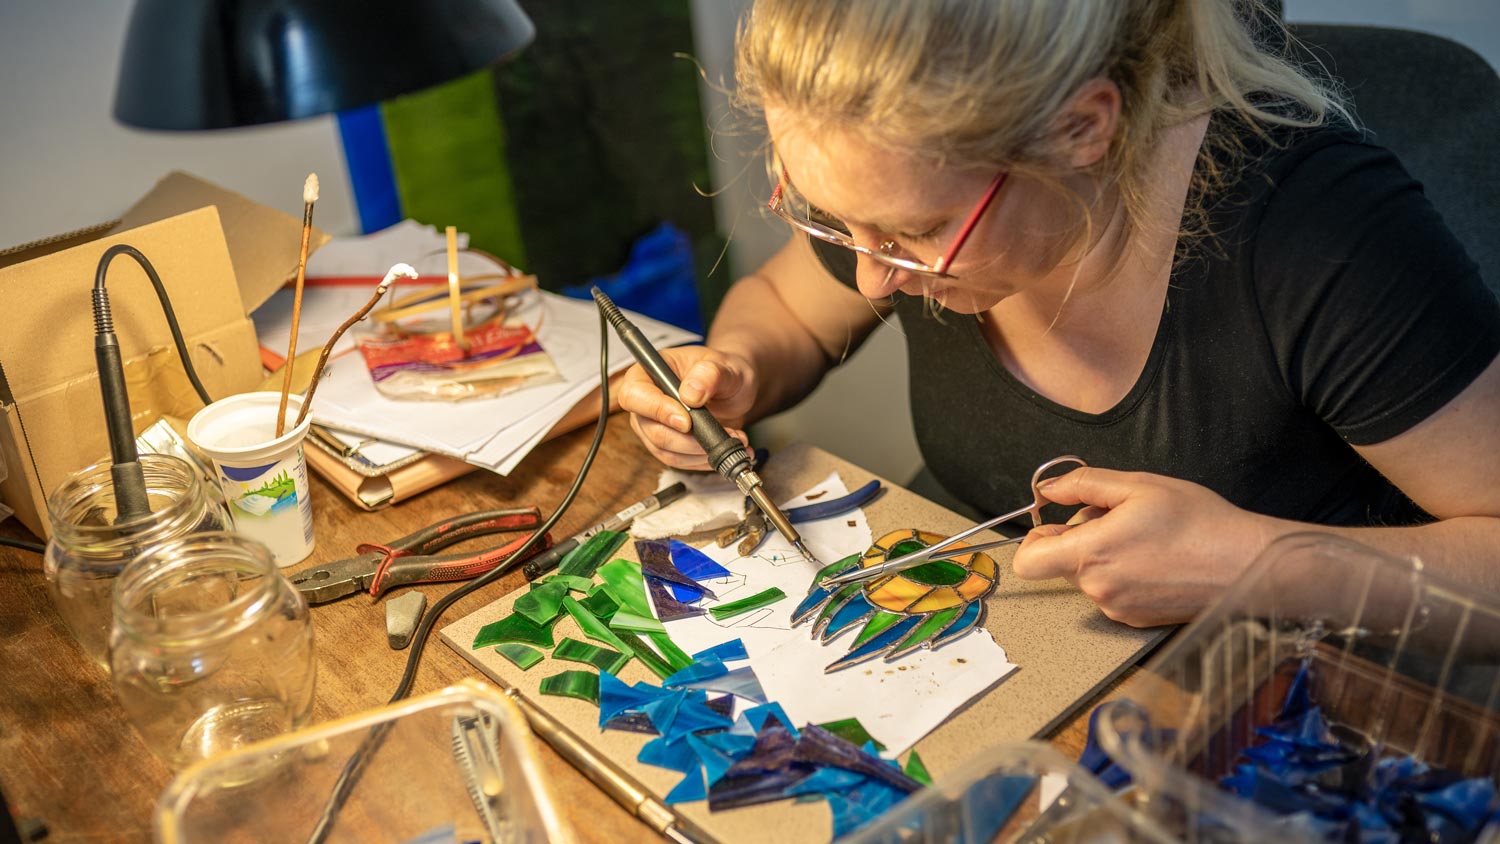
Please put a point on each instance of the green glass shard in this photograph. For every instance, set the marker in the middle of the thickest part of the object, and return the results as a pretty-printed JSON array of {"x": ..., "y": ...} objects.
[
  {"x": 542, "y": 603},
  {"x": 875, "y": 626},
  {"x": 930, "y": 627},
  {"x": 627, "y": 620},
  {"x": 850, "y": 730},
  {"x": 603, "y": 659},
  {"x": 584, "y": 560},
  {"x": 835, "y": 568},
  {"x": 744, "y": 605},
  {"x": 573, "y": 582},
  {"x": 599, "y": 603},
  {"x": 523, "y": 656},
  {"x": 675, "y": 656},
  {"x": 937, "y": 573},
  {"x": 514, "y": 628},
  {"x": 623, "y": 580},
  {"x": 916, "y": 770},
  {"x": 591, "y": 626},
  {"x": 904, "y": 547},
  {"x": 583, "y": 685},
  {"x": 643, "y": 652}
]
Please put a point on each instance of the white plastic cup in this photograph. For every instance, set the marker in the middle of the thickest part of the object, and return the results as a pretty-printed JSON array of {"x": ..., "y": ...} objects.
[{"x": 263, "y": 476}]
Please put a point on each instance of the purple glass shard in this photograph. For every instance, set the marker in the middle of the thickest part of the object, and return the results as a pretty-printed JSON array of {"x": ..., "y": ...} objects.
[
  {"x": 670, "y": 574},
  {"x": 819, "y": 747},
  {"x": 734, "y": 792},
  {"x": 722, "y": 705},
  {"x": 632, "y": 722},
  {"x": 774, "y": 750},
  {"x": 656, "y": 551},
  {"x": 668, "y": 608}
]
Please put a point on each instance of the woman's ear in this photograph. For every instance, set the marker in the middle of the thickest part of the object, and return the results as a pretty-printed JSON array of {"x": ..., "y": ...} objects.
[{"x": 1089, "y": 122}]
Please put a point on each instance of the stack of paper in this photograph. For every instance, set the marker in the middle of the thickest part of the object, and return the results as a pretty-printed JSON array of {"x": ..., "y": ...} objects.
[{"x": 493, "y": 433}]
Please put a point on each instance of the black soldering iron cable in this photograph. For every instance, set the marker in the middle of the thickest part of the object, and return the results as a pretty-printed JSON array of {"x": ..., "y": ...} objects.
[{"x": 361, "y": 757}]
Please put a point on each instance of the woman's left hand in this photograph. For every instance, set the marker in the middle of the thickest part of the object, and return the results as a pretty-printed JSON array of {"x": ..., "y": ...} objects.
[{"x": 1148, "y": 549}]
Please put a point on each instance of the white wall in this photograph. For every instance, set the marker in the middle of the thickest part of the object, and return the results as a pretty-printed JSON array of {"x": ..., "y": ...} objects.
[{"x": 65, "y": 163}]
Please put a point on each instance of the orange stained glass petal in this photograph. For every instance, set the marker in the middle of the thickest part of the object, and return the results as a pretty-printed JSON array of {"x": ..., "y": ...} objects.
[
  {"x": 975, "y": 587},
  {"x": 940, "y": 598},
  {"x": 895, "y": 594},
  {"x": 984, "y": 566}
]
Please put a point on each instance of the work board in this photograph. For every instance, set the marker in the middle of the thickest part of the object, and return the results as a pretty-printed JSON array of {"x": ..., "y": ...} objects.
[{"x": 1064, "y": 646}]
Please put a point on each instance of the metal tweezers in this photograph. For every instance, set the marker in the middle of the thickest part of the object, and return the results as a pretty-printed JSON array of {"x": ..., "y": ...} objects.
[{"x": 945, "y": 549}]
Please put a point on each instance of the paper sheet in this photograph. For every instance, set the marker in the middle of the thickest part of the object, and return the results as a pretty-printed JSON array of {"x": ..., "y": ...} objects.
[{"x": 898, "y": 702}]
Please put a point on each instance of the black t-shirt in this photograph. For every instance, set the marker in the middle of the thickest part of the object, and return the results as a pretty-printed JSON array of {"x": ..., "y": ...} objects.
[{"x": 1332, "y": 308}]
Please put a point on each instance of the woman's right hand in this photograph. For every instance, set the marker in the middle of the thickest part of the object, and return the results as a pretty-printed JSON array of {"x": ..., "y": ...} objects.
[{"x": 723, "y": 382}]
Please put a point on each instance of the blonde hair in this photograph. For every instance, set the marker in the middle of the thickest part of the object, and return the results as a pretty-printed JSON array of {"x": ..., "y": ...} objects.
[{"x": 971, "y": 83}]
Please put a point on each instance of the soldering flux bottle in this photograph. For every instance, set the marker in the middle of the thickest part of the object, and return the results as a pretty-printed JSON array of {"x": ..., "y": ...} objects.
[{"x": 89, "y": 549}]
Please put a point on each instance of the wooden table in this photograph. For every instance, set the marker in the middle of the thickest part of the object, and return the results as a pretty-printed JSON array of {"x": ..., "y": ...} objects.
[{"x": 69, "y": 757}]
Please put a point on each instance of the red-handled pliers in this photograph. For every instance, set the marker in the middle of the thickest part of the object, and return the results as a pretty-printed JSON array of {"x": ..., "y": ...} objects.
[{"x": 379, "y": 568}]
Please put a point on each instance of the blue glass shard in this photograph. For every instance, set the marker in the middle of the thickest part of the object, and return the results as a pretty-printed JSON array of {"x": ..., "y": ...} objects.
[
  {"x": 995, "y": 799},
  {"x": 861, "y": 804},
  {"x": 740, "y": 682},
  {"x": 705, "y": 668},
  {"x": 873, "y": 648},
  {"x": 971, "y": 617},
  {"x": 727, "y": 652},
  {"x": 715, "y": 762},
  {"x": 695, "y": 716},
  {"x": 674, "y": 756},
  {"x": 826, "y": 780},
  {"x": 669, "y": 573},
  {"x": 690, "y": 789},
  {"x": 696, "y": 565},
  {"x": 663, "y": 711},
  {"x": 632, "y": 722},
  {"x": 857, "y": 610},
  {"x": 821, "y": 748},
  {"x": 758, "y": 715},
  {"x": 667, "y": 607},
  {"x": 810, "y": 605},
  {"x": 615, "y": 697},
  {"x": 729, "y": 744}
]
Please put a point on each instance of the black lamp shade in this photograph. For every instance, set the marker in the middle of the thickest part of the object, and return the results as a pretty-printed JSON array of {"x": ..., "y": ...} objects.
[{"x": 213, "y": 64}]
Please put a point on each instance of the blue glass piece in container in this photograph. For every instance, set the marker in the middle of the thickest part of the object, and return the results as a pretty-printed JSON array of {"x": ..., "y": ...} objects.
[
  {"x": 705, "y": 668},
  {"x": 740, "y": 682},
  {"x": 1299, "y": 693},
  {"x": 672, "y": 755},
  {"x": 994, "y": 799},
  {"x": 691, "y": 789},
  {"x": 729, "y": 651},
  {"x": 1465, "y": 802}
]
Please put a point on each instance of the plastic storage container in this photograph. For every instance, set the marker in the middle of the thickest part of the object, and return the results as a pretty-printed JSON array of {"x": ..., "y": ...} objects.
[
  {"x": 1399, "y": 656},
  {"x": 1004, "y": 796},
  {"x": 454, "y": 765}
]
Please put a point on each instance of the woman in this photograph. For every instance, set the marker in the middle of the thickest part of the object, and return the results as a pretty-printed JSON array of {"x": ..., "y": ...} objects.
[{"x": 1119, "y": 230}]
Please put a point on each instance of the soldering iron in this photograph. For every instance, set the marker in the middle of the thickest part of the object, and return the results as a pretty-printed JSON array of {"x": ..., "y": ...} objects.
[{"x": 726, "y": 455}]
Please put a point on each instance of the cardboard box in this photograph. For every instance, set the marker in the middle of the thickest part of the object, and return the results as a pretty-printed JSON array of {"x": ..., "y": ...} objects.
[{"x": 219, "y": 256}]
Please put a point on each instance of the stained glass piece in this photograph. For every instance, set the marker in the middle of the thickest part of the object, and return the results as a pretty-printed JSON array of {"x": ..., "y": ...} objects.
[
  {"x": 691, "y": 788},
  {"x": 894, "y": 593},
  {"x": 836, "y": 603},
  {"x": 676, "y": 657},
  {"x": 715, "y": 762},
  {"x": 937, "y": 573},
  {"x": 916, "y": 769},
  {"x": 703, "y": 669},
  {"x": 740, "y": 682},
  {"x": 616, "y": 698},
  {"x": 584, "y": 560},
  {"x": 696, "y": 565},
  {"x": 631, "y": 722},
  {"x": 573, "y": 582},
  {"x": 729, "y": 743},
  {"x": 543, "y": 603},
  {"x": 940, "y": 599},
  {"x": 663, "y": 711},
  {"x": 695, "y": 716},
  {"x": 855, "y": 807},
  {"x": 599, "y": 604},
  {"x": 672, "y": 755},
  {"x": 984, "y": 566},
  {"x": 970, "y": 618},
  {"x": 653, "y": 552},
  {"x": 603, "y": 659},
  {"x": 737, "y": 792},
  {"x": 622, "y": 578},
  {"x": 852, "y": 731},
  {"x": 744, "y": 605},
  {"x": 591, "y": 626},
  {"x": 925, "y": 632},
  {"x": 876, "y": 645},
  {"x": 632, "y": 644},
  {"x": 837, "y": 567},
  {"x": 669, "y": 573},
  {"x": 855, "y": 611},
  {"x": 875, "y": 626},
  {"x": 774, "y": 749},
  {"x": 825, "y": 781},
  {"x": 627, "y": 620},
  {"x": 583, "y": 685},
  {"x": 997, "y": 798},
  {"x": 723, "y": 705},
  {"x": 666, "y": 605},
  {"x": 810, "y": 604},
  {"x": 817, "y": 746},
  {"x": 975, "y": 588},
  {"x": 522, "y": 656},
  {"x": 727, "y": 652},
  {"x": 758, "y": 716},
  {"x": 906, "y": 546},
  {"x": 514, "y": 628}
]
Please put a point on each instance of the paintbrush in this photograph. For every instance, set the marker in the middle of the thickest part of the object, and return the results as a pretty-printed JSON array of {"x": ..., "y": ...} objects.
[{"x": 309, "y": 196}]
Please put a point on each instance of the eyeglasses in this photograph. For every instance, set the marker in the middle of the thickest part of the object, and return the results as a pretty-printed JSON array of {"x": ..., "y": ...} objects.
[{"x": 790, "y": 206}]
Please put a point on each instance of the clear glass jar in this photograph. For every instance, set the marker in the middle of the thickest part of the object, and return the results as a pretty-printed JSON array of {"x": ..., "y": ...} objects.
[
  {"x": 89, "y": 550},
  {"x": 211, "y": 648}
]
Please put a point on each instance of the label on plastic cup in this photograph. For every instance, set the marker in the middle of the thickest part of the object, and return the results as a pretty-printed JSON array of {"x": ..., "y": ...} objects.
[{"x": 263, "y": 476}]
